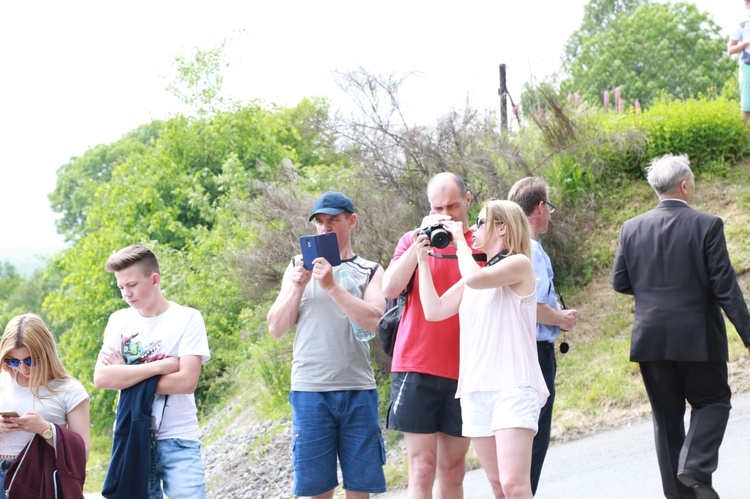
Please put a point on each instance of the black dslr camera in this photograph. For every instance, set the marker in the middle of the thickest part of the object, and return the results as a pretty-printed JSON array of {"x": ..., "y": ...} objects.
[{"x": 439, "y": 237}]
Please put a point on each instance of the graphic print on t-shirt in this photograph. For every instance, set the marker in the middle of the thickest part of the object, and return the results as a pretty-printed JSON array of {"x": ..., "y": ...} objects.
[{"x": 134, "y": 352}]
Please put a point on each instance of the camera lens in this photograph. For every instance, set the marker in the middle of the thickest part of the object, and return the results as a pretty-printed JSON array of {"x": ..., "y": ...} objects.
[{"x": 440, "y": 238}]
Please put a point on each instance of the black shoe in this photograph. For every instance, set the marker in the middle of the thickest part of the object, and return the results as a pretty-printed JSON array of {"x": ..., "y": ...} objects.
[{"x": 702, "y": 490}]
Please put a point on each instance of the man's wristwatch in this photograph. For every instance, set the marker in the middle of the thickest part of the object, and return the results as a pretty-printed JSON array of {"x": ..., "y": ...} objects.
[{"x": 47, "y": 435}]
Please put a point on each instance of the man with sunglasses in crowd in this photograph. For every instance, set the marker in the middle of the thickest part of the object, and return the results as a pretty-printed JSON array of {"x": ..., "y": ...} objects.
[{"x": 532, "y": 195}]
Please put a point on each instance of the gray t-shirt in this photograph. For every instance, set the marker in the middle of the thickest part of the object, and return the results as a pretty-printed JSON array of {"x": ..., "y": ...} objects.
[
  {"x": 741, "y": 34},
  {"x": 327, "y": 357}
]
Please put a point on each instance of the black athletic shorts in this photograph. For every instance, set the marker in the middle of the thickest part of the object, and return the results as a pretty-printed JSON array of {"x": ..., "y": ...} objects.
[{"x": 423, "y": 403}]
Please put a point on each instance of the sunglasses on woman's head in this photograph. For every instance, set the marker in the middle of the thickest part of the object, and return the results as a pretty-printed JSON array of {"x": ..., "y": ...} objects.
[{"x": 16, "y": 362}]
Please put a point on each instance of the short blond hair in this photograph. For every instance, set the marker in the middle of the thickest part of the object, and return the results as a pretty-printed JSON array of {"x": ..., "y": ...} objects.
[{"x": 134, "y": 255}]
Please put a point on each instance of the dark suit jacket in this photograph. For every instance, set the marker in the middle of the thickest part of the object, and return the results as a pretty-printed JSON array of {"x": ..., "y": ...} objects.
[{"x": 674, "y": 260}]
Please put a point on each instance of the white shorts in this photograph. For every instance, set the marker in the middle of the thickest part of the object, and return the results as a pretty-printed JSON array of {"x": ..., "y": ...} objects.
[{"x": 483, "y": 413}]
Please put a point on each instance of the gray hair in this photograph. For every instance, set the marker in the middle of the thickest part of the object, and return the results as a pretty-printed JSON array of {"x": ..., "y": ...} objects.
[{"x": 666, "y": 173}]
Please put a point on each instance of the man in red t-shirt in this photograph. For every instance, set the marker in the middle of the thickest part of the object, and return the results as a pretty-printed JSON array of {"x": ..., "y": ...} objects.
[{"x": 425, "y": 356}]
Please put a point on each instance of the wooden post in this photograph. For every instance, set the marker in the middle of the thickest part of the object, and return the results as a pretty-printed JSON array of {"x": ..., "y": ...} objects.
[{"x": 503, "y": 92}]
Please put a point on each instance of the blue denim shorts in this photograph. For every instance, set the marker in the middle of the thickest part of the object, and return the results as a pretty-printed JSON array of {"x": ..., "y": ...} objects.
[
  {"x": 179, "y": 468},
  {"x": 343, "y": 424}
]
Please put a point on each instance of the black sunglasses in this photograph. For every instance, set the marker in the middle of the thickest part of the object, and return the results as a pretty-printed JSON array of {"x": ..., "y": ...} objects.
[
  {"x": 482, "y": 221},
  {"x": 16, "y": 362}
]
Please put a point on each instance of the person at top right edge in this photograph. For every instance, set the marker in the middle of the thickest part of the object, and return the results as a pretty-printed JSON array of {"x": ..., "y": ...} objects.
[{"x": 738, "y": 44}]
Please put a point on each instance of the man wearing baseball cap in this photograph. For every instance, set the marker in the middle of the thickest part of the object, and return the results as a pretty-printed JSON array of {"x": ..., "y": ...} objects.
[
  {"x": 333, "y": 396},
  {"x": 332, "y": 203}
]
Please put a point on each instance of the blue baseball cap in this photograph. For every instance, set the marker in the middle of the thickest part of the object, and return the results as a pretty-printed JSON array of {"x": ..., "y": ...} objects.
[{"x": 332, "y": 203}]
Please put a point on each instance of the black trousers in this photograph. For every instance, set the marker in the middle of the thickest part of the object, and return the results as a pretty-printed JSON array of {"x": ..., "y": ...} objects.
[
  {"x": 704, "y": 385},
  {"x": 548, "y": 363}
]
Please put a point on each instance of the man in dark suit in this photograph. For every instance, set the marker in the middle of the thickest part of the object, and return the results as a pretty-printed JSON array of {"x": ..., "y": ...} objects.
[{"x": 674, "y": 261}]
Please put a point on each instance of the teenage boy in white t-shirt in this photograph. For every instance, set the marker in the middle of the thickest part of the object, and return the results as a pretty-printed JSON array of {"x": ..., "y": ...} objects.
[{"x": 152, "y": 337}]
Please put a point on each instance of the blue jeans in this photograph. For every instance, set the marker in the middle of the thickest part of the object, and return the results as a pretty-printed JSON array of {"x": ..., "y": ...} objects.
[
  {"x": 179, "y": 467},
  {"x": 343, "y": 424},
  {"x": 4, "y": 465}
]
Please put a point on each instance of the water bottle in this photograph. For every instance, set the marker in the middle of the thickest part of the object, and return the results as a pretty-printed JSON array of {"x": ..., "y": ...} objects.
[{"x": 360, "y": 333}]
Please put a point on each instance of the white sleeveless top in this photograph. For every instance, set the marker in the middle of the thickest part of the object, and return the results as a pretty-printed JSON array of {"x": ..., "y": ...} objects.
[{"x": 498, "y": 342}]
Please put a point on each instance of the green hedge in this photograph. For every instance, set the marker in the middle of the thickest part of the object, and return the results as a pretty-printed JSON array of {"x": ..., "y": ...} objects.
[{"x": 708, "y": 130}]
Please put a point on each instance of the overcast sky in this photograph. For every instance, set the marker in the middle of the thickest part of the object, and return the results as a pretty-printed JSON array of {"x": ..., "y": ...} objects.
[{"x": 80, "y": 73}]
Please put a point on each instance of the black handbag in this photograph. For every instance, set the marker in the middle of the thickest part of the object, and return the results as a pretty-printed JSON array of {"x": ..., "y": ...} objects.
[{"x": 388, "y": 325}]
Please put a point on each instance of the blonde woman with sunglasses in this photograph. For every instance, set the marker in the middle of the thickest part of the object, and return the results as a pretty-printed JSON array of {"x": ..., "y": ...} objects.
[
  {"x": 36, "y": 392},
  {"x": 500, "y": 383}
]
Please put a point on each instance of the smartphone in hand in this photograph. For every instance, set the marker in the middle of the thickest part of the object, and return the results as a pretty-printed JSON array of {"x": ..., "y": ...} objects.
[
  {"x": 325, "y": 245},
  {"x": 9, "y": 414}
]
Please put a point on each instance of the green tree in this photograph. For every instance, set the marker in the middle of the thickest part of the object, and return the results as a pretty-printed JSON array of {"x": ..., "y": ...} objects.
[
  {"x": 176, "y": 192},
  {"x": 200, "y": 79},
  {"x": 79, "y": 179},
  {"x": 9, "y": 280},
  {"x": 598, "y": 16},
  {"x": 670, "y": 48},
  {"x": 20, "y": 294}
]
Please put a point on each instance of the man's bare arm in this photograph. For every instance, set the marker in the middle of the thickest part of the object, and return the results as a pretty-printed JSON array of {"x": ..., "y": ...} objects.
[
  {"x": 399, "y": 272},
  {"x": 283, "y": 314},
  {"x": 366, "y": 311},
  {"x": 183, "y": 381},
  {"x": 112, "y": 373},
  {"x": 564, "y": 319}
]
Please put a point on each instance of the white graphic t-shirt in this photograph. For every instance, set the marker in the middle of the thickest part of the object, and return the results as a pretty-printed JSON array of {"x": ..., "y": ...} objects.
[{"x": 177, "y": 332}]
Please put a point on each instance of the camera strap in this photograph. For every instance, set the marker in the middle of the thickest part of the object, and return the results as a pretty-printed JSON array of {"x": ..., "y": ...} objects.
[
  {"x": 480, "y": 257},
  {"x": 154, "y": 433},
  {"x": 497, "y": 258}
]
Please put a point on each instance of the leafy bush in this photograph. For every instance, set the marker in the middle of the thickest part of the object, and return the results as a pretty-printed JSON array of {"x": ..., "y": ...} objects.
[
  {"x": 731, "y": 88},
  {"x": 271, "y": 366},
  {"x": 708, "y": 130}
]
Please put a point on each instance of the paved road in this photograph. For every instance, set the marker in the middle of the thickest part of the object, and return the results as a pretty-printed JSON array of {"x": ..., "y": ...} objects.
[{"x": 622, "y": 464}]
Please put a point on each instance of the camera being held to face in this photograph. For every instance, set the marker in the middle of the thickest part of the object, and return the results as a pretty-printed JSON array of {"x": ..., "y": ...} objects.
[{"x": 439, "y": 237}]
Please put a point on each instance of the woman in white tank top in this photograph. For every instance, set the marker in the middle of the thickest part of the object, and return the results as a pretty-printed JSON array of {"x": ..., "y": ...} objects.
[{"x": 500, "y": 383}]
